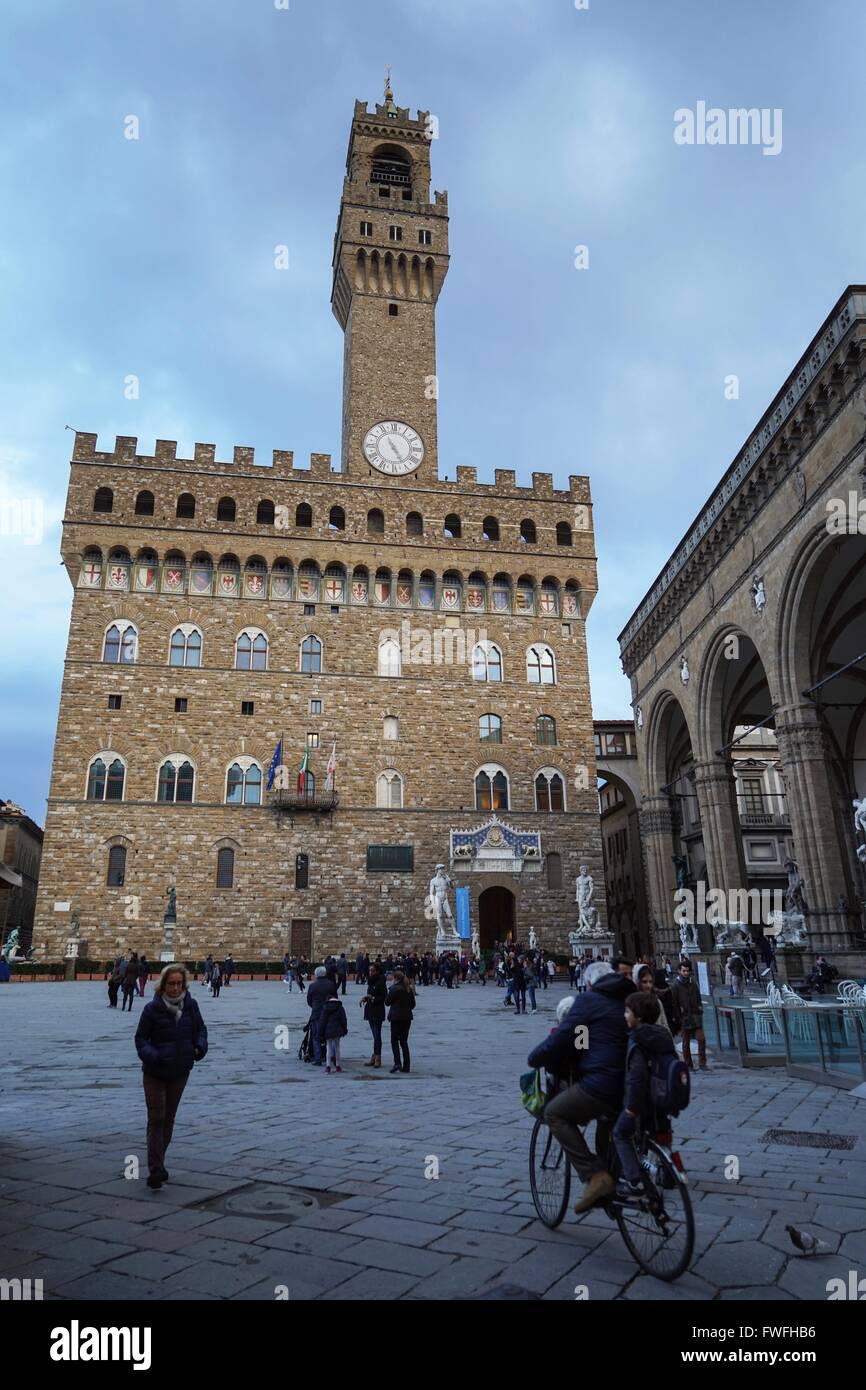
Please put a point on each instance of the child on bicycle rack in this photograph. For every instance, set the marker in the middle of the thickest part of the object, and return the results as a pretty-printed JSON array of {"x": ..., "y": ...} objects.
[{"x": 646, "y": 1040}]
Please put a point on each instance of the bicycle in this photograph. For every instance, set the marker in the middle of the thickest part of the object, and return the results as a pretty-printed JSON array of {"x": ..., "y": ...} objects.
[{"x": 658, "y": 1226}]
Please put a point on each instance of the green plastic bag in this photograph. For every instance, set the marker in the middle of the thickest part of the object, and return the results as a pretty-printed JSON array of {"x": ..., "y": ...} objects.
[{"x": 532, "y": 1092}]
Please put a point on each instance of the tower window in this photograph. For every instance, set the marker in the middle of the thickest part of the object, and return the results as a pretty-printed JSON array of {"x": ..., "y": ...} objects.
[
  {"x": 180, "y": 705},
  {"x": 248, "y": 706},
  {"x": 384, "y": 192},
  {"x": 425, "y": 238},
  {"x": 366, "y": 229},
  {"x": 393, "y": 310},
  {"x": 395, "y": 233},
  {"x": 103, "y": 499},
  {"x": 114, "y": 701}
]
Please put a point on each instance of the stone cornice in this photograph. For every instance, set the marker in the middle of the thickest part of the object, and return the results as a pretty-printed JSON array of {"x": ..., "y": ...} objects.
[{"x": 809, "y": 399}]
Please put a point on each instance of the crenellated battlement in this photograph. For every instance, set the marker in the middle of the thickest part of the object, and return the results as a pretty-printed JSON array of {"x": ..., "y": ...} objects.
[{"x": 125, "y": 455}]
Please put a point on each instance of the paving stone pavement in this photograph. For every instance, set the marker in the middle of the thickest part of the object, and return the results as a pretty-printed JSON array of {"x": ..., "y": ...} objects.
[{"x": 360, "y": 1144}]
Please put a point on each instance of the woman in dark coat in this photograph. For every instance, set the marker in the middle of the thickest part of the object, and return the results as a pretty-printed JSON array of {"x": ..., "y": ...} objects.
[
  {"x": 171, "y": 1037},
  {"x": 374, "y": 1011},
  {"x": 129, "y": 984},
  {"x": 143, "y": 974},
  {"x": 401, "y": 1002}
]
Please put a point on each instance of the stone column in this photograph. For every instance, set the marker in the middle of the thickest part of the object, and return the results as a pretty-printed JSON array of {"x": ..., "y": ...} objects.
[
  {"x": 723, "y": 840},
  {"x": 809, "y": 792},
  {"x": 657, "y": 838}
]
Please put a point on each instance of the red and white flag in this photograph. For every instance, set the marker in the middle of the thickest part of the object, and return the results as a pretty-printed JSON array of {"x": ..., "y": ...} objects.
[{"x": 332, "y": 768}]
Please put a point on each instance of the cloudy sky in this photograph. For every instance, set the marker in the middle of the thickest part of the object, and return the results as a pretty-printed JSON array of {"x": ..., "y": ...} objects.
[{"x": 154, "y": 257}]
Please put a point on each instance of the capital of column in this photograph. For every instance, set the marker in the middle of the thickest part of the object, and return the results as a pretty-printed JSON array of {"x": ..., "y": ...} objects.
[
  {"x": 656, "y": 818},
  {"x": 718, "y": 772},
  {"x": 800, "y": 734}
]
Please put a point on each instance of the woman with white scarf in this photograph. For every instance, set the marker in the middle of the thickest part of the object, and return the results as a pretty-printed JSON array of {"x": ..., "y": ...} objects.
[{"x": 170, "y": 1039}]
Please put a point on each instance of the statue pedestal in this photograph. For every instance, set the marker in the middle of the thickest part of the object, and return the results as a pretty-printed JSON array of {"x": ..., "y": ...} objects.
[
  {"x": 449, "y": 941},
  {"x": 72, "y": 946},
  {"x": 166, "y": 955},
  {"x": 599, "y": 944}
]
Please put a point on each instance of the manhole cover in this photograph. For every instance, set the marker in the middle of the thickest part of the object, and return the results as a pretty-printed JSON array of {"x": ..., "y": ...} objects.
[
  {"x": 808, "y": 1139},
  {"x": 272, "y": 1201}
]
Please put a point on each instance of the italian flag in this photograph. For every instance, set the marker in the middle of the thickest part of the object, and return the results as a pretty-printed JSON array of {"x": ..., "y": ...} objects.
[{"x": 302, "y": 773}]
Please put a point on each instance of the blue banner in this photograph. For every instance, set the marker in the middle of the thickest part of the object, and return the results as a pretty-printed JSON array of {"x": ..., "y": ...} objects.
[{"x": 462, "y": 898}]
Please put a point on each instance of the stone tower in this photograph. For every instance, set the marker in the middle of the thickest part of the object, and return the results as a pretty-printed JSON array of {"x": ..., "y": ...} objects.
[
  {"x": 390, "y": 261},
  {"x": 428, "y": 633}
]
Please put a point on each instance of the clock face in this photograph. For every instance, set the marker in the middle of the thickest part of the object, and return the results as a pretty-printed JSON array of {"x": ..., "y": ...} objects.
[{"x": 393, "y": 447}]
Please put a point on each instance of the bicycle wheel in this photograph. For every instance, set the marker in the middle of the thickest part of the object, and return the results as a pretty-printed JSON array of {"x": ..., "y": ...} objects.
[
  {"x": 549, "y": 1175},
  {"x": 659, "y": 1227}
]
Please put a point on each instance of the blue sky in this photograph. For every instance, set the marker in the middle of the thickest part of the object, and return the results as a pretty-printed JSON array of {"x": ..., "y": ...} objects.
[{"x": 155, "y": 257}]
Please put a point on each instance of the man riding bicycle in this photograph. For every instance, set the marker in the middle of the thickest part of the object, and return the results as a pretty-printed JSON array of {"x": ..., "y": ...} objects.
[{"x": 589, "y": 1045}]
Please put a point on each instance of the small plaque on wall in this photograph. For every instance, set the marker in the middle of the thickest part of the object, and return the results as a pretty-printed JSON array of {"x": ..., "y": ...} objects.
[{"x": 62, "y": 907}]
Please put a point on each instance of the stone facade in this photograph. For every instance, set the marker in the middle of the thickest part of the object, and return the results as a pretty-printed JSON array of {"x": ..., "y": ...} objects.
[
  {"x": 156, "y": 545},
  {"x": 757, "y": 619},
  {"x": 20, "y": 854}
]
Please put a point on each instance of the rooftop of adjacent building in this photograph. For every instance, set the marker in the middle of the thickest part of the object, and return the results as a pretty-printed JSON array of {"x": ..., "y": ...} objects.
[{"x": 847, "y": 312}]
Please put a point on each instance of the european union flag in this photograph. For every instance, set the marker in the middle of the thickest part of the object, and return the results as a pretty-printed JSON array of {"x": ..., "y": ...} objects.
[{"x": 276, "y": 761}]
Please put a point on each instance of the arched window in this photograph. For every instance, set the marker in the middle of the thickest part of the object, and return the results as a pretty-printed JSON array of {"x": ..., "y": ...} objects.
[
  {"x": 311, "y": 656},
  {"x": 391, "y": 727},
  {"x": 490, "y": 728},
  {"x": 476, "y": 592},
  {"x": 389, "y": 791},
  {"x": 391, "y": 169},
  {"x": 563, "y": 533},
  {"x": 121, "y": 644},
  {"x": 225, "y": 874},
  {"x": 226, "y": 509},
  {"x": 251, "y": 650},
  {"x": 527, "y": 532},
  {"x": 389, "y": 657},
  {"x": 144, "y": 504},
  {"x": 309, "y": 792},
  {"x": 255, "y": 577},
  {"x": 549, "y": 790},
  {"x": 414, "y": 524},
  {"x": 451, "y": 528},
  {"x": 501, "y": 593},
  {"x": 176, "y": 780},
  {"x": 309, "y": 581},
  {"x": 90, "y": 575},
  {"x": 304, "y": 515},
  {"x": 540, "y": 665},
  {"x": 265, "y": 512},
  {"x": 103, "y": 500},
  {"x": 185, "y": 508},
  {"x": 119, "y": 566},
  {"x": 486, "y": 662},
  {"x": 185, "y": 648},
  {"x": 554, "y": 870},
  {"x": 545, "y": 729},
  {"x": 334, "y": 585},
  {"x": 548, "y": 602},
  {"x": 491, "y": 788},
  {"x": 375, "y": 522},
  {"x": 244, "y": 783},
  {"x": 337, "y": 519},
  {"x": 571, "y": 600},
  {"x": 490, "y": 529},
  {"x": 116, "y": 876},
  {"x": 105, "y": 780}
]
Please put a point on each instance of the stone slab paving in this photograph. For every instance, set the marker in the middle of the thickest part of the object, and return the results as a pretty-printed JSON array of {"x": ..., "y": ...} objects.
[{"x": 362, "y": 1145}]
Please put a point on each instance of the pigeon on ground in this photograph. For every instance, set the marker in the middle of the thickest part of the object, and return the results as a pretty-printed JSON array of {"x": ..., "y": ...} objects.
[{"x": 808, "y": 1244}]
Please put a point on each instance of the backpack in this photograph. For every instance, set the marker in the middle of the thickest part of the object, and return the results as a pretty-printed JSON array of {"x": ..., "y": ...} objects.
[{"x": 670, "y": 1085}]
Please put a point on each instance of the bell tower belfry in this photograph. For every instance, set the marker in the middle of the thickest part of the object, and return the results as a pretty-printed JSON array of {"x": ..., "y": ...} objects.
[{"x": 390, "y": 261}]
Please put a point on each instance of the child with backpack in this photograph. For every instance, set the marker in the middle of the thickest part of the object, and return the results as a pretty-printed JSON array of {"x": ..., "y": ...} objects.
[
  {"x": 334, "y": 1026},
  {"x": 656, "y": 1086}
]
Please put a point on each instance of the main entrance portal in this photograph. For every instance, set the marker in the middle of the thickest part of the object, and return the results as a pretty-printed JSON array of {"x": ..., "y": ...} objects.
[{"x": 495, "y": 916}]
